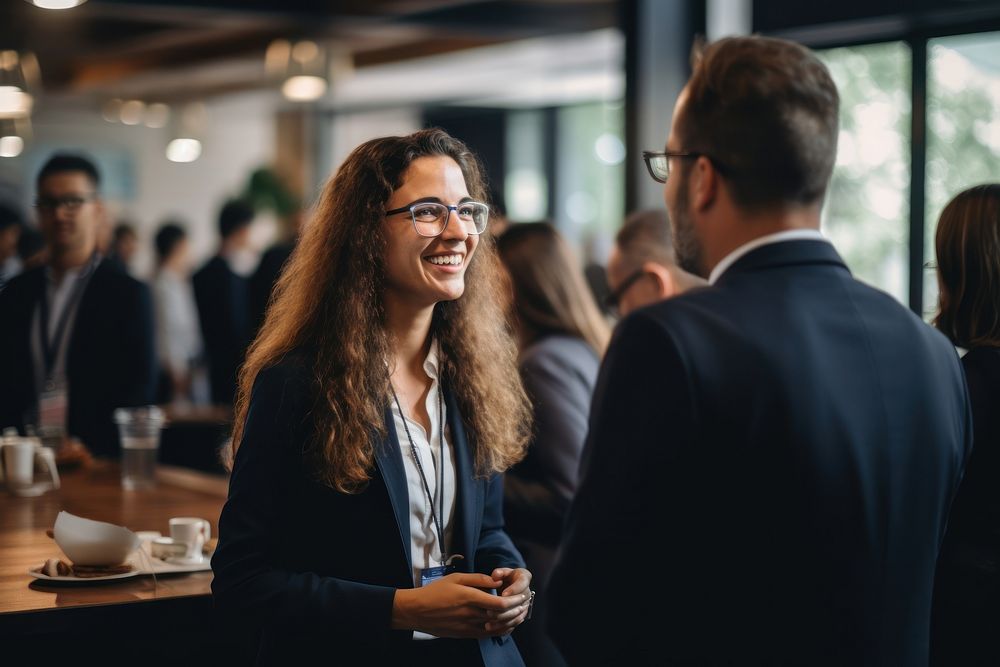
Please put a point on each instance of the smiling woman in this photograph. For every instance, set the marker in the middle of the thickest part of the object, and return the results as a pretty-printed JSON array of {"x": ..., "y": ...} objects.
[{"x": 377, "y": 406}]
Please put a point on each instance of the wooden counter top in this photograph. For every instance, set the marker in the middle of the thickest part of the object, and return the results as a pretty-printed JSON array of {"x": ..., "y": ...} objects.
[{"x": 96, "y": 493}]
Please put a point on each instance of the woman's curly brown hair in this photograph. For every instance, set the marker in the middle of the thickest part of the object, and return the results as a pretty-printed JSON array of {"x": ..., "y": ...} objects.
[{"x": 328, "y": 306}]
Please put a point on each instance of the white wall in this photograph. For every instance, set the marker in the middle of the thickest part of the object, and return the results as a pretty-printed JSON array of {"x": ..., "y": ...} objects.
[
  {"x": 350, "y": 130},
  {"x": 239, "y": 137}
]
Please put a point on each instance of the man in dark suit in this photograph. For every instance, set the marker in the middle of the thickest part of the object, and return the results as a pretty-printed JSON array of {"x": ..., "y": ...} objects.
[
  {"x": 221, "y": 290},
  {"x": 771, "y": 459},
  {"x": 77, "y": 334}
]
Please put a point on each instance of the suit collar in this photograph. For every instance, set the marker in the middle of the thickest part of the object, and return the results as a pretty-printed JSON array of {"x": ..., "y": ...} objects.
[
  {"x": 389, "y": 459},
  {"x": 760, "y": 241},
  {"x": 468, "y": 501},
  {"x": 784, "y": 253}
]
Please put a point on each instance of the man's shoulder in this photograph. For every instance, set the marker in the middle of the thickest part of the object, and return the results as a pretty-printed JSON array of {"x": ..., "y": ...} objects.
[
  {"x": 27, "y": 282},
  {"x": 211, "y": 268},
  {"x": 693, "y": 305},
  {"x": 110, "y": 279},
  {"x": 19, "y": 296}
]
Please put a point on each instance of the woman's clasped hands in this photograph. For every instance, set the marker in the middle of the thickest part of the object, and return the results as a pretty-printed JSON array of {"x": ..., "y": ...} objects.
[{"x": 460, "y": 605}]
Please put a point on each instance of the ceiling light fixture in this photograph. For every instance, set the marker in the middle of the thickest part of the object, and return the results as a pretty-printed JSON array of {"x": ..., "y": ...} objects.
[
  {"x": 184, "y": 149},
  {"x": 302, "y": 65},
  {"x": 131, "y": 112},
  {"x": 12, "y": 137},
  {"x": 157, "y": 115},
  {"x": 57, "y": 4},
  {"x": 185, "y": 146},
  {"x": 15, "y": 100},
  {"x": 304, "y": 88}
]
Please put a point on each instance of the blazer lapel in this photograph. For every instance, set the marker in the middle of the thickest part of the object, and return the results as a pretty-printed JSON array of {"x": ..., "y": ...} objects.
[
  {"x": 389, "y": 459},
  {"x": 468, "y": 501}
]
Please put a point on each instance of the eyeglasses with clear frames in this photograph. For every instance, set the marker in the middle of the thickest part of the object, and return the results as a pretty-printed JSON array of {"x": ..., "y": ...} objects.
[
  {"x": 658, "y": 163},
  {"x": 431, "y": 218}
]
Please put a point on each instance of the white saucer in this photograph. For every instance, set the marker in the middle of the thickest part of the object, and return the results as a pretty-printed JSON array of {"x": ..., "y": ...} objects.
[
  {"x": 83, "y": 580},
  {"x": 31, "y": 491},
  {"x": 180, "y": 560}
]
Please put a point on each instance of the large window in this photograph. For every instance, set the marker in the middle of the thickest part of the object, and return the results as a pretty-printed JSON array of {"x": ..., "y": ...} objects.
[
  {"x": 963, "y": 128},
  {"x": 575, "y": 178},
  {"x": 867, "y": 210},
  {"x": 590, "y": 174}
]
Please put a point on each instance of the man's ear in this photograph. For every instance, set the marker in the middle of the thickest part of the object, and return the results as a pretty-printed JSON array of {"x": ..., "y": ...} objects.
[
  {"x": 666, "y": 286},
  {"x": 704, "y": 184}
]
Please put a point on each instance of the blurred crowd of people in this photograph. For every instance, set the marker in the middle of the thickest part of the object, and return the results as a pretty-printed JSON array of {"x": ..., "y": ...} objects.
[
  {"x": 82, "y": 336},
  {"x": 757, "y": 464}
]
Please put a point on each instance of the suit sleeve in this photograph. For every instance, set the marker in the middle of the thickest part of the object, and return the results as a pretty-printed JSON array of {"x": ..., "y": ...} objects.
[
  {"x": 249, "y": 580},
  {"x": 495, "y": 547},
  {"x": 600, "y": 604}
]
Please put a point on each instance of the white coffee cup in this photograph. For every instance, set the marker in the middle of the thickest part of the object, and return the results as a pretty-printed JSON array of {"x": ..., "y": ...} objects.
[
  {"x": 18, "y": 463},
  {"x": 167, "y": 547},
  {"x": 193, "y": 532}
]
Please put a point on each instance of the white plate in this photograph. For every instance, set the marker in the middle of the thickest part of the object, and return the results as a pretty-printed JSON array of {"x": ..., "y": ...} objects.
[{"x": 84, "y": 580}]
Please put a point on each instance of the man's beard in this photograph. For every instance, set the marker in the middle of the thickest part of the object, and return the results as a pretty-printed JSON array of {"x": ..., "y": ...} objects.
[{"x": 687, "y": 245}]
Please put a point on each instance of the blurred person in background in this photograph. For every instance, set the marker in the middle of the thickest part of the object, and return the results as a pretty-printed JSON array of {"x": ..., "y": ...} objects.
[
  {"x": 11, "y": 224},
  {"x": 269, "y": 269},
  {"x": 222, "y": 292},
  {"x": 967, "y": 589},
  {"x": 562, "y": 336},
  {"x": 77, "y": 338},
  {"x": 377, "y": 408},
  {"x": 123, "y": 246},
  {"x": 178, "y": 334},
  {"x": 642, "y": 269}
]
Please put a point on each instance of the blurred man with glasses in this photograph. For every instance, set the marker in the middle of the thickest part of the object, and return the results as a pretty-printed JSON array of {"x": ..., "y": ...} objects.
[
  {"x": 642, "y": 268},
  {"x": 771, "y": 459},
  {"x": 77, "y": 334}
]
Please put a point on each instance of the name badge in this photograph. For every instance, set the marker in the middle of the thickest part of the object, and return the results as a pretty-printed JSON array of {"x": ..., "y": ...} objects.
[
  {"x": 429, "y": 575},
  {"x": 53, "y": 405}
]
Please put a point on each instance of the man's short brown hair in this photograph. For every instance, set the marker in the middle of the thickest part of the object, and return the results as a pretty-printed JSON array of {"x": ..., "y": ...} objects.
[
  {"x": 646, "y": 237},
  {"x": 765, "y": 111}
]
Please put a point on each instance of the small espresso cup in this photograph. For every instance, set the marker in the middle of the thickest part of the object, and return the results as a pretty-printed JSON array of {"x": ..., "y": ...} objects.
[{"x": 192, "y": 532}]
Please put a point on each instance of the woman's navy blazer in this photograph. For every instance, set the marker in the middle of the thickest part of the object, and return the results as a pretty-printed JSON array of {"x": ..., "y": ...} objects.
[{"x": 315, "y": 570}]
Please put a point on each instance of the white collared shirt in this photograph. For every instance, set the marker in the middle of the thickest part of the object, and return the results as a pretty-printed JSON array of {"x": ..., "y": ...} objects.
[
  {"x": 178, "y": 336},
  {"x": 58, "y": 298},
  {"x": 424, "y": 544},
  {"x": 425, "y": 548},
  {"x": 790, "y": 235}
]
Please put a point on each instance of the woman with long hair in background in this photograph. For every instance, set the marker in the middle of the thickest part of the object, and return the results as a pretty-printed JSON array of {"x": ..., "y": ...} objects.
[
  {"x": 562, "y": 337},
  {"x": 376, "y": 410},
  {"x": 966, "y": 612}
]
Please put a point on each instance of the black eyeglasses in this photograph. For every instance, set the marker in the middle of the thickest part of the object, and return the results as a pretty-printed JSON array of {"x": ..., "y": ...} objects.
[
  {"x": 658, "y": 163},
  {"x": 72, "y": 203},
  {"x": 612, "y": 300},
  {"x": 430, "y": 218}
]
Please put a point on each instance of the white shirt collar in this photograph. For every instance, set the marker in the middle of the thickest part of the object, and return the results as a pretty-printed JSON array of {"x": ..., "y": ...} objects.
[
  {"x": 433, "y": 360},
  {"x": 69, "y": 277},
  {"x": 790, "y": 235}
]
